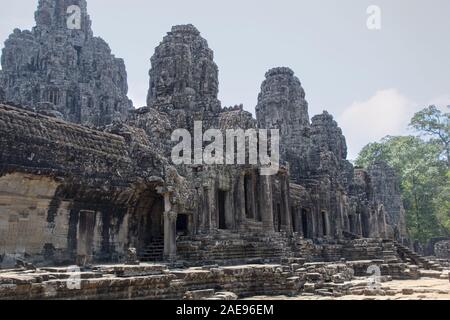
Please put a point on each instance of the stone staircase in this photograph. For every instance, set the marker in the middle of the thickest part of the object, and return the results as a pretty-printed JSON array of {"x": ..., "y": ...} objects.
[
  {"x": 373, "y": 248},
  {"x": 229, "y": 248},
  {"x": 350, "y": 236},
  {"x": 407, "y": 255},
  {"x": 153, "y": 252}
]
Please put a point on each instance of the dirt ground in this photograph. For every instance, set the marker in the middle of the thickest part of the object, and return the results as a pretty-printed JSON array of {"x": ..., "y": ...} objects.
[{"x": 423, "y": 289}]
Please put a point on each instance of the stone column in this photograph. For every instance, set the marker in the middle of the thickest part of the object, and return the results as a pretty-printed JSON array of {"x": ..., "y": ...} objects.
[
  {"x": 170, "y": 228},
  {"x": 170, "y": 235},
  {"x": 267, "y": 204},
  {"x": 211, "y": 213},
  {"x": 287, "y": 223},
  {"x": 242, "y": 200},
  {"x": 205, "y": 215}
]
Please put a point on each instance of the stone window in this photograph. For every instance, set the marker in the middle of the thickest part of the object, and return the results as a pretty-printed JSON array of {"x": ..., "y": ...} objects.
[{"x": 53, "y": 96}]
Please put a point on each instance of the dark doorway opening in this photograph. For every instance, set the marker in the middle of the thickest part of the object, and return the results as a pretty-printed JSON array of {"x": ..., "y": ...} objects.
[
  {"x": 150, "y": 221},
  {"x": 305, "y": 224},
  {"x": 324, "y": 224},
  {"x": 365, "y": 225},
  {"x": 182, "y": 224},
  {"x": 148, "y": 225},
  {"x": 294, "y": 219},
  {"x": 78, "y": 50},
  {"x": 248, "y": 188},
  {"x": 351, "y": 222},
  {"x": 222, "y": 213},
  {"x": 277, "y": 217}
]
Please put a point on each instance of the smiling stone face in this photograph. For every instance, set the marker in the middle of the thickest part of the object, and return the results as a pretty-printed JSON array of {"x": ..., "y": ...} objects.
[
  {"x": 56, "y": 14},
  {"x": 183, "y": 69},
  {"x": 60, "y": 63}
]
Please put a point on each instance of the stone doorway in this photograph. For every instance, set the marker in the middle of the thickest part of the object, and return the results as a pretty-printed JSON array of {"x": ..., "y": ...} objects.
[
  {"x": 249, "y": 194},
  {"x": 182, "y": 224},
  {"x": 277, "y": 217},
  {"x": 305, "y": 224},
  {"x": 352, "y": 224},
  {"x": 149, "y": 219},
  {"x": 365, "y": 225},
  {"x": 85, "y": 238},
  {"x": 222, "y": 197},
  {"x": 324, "y": 223},
  {"x": 295, "y": 226}
]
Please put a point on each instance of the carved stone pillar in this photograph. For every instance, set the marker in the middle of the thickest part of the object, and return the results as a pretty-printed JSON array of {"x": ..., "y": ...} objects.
[
  {"x": 287, "y": 219},
  {"x": 267, "y": 204},
  {"x": 242, "y": 200},
  {"x": 170, "y": 226},
  {"x": 170, "y": 235},
  {"x": 209, "y": 208}
]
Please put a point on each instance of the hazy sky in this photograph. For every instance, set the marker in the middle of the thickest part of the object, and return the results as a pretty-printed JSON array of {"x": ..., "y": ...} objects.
[{"x": 371, "y": 81}]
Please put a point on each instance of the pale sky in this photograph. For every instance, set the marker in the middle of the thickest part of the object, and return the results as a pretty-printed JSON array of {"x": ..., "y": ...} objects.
[{"x": 371, "y": 81}]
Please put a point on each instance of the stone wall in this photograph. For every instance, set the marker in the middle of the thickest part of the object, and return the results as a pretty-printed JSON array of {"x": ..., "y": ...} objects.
[
  {"x": 67, "y": 191},
  {"x": 386, "y": 189},
  {"x": 442, "y": 250}
]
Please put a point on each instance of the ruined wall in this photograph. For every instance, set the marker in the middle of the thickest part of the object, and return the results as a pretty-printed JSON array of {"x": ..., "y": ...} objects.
[
  {"x": 442, "y": 249},
  {"x": 25, "y": 200},
  {"x": 41, "y": 223},
  {"x": 386, "y": 189},
  {"x": 67, "y": 73},
  {"x": 67, "y": 191}
]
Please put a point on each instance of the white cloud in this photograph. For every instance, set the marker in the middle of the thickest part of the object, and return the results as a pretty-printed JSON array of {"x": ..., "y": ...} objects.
[
  {"x": 441, "y": 102},
  {"x": 388, "y": 112}
]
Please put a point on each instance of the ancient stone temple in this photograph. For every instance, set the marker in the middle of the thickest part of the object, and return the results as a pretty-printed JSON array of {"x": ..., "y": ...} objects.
[
  {"x": 84, "y": 178},
  {"x": 61, "y": 69}
]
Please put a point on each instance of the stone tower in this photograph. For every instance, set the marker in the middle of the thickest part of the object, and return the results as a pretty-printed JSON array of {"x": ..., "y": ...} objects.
[
  {"x": 61, "y": 69},
  {"x": 282, "y": 105},
  {"x": 183, "y": 72}
]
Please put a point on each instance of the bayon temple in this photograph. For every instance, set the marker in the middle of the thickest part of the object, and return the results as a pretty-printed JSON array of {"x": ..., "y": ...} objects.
[{"x": 86, "y": 178}]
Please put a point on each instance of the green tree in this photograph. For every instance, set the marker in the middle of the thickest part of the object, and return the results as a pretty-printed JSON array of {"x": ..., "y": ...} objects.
[
  {"x": 423, "y": 177},
  {"x": 436, "y": 124}
]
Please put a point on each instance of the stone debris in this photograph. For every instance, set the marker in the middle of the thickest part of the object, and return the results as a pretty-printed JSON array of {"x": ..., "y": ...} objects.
[
  {"x": 153, "y": 281},
  {"x": 132, "y": 258},
  {"x": 442, "y": 250}
]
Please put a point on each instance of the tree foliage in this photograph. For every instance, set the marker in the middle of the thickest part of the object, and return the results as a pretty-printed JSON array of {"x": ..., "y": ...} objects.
[
  {"x": 436, "y": 124},
  {"x": 423, "y": 168}
]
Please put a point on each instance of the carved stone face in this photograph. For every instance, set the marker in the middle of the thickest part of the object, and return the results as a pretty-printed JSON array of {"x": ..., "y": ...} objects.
[
  {"x": 183, "y": 66},
  {"x": 43, "y": 18}
]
